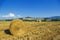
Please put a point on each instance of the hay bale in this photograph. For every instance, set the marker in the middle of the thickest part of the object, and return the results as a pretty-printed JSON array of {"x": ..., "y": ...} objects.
[{"x": 17, "y": 28}]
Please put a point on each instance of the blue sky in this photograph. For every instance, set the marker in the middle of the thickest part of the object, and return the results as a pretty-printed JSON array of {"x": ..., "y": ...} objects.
[{"x": 33, "y": 8}]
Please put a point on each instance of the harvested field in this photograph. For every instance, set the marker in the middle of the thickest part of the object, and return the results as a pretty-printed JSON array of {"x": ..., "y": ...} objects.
[{"x": 21, "y": 30}]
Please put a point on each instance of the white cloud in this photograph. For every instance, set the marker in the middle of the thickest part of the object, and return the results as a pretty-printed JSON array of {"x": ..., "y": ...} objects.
[
  {"x": 12, "y": 15},
  {"x": 9, "y": 15}
]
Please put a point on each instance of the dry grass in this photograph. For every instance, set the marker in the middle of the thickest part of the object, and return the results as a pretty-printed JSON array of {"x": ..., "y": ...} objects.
[{"x": 30, "y": 30}]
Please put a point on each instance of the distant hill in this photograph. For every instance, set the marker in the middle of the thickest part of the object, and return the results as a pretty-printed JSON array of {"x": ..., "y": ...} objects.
[{"x": 55, "y": 17}]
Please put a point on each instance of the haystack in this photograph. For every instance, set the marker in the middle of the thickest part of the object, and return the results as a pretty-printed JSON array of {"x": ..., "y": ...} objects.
[{"x": 17, "y": 28}]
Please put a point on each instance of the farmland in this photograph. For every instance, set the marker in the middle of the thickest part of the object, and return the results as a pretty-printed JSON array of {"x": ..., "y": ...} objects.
[{"x": 30, "y": 30}]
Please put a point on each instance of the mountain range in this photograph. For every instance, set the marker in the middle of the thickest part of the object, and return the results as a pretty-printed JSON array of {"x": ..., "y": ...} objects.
[
  {"x": 55, "y": 17},
  {"x": 4, "y": 18}
]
